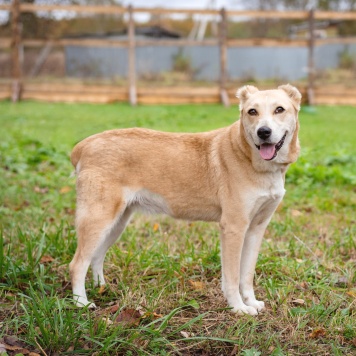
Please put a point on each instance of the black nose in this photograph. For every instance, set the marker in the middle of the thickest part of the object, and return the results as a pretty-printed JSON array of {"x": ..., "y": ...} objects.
[{"x": 264, "y": 132}]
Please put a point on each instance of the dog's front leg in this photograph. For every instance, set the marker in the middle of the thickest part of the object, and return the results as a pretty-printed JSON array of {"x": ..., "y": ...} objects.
[
  {"x": 232, "y": 240},
  {"x": 250, "y": 250},
  {"x": 249, "y": 257}
]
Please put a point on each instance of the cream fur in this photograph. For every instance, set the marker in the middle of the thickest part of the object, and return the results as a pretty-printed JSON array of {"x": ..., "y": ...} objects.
[{"x": 212, "y": 176}]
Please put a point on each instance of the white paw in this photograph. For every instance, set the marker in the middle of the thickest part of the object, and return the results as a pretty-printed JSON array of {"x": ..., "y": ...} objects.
[
  {"x": 83, "y": 302},
  {"x": 245, "y": 309},
  {"x": 257, "y": 304}
]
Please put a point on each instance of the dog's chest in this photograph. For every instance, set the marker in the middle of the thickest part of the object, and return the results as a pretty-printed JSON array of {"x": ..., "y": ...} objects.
[{"x": 267, "y": 196}]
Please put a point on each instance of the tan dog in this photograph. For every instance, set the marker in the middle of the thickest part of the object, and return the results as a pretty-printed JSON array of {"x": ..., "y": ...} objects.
[{"x": 234, "y": 175}]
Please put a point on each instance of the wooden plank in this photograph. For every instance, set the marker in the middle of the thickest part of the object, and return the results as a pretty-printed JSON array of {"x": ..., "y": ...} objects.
[
  {"x": 5, "y": 90},
  {"x": 176, "y": 42},
  {"x": 112, "y": 9},
  {"x": 266, "y": 42},
  {"x": 179, "y": 91},
  {"x": 336, "y": 90},
  {"x": 5, "y": 42},
  {"x": 231, "y": 43},
  {"x": 177, "y": 100},
  {"x": 72, "y": 97},
  {"x": 75, "y": 88},
  {"x": 75, "y": 42},
  {"x": 4, "y": 7},
  {"x": 168, "y": 11},
  {"x": 269, "y": 14},
  {"x": 337, "y": 40},
  {"x": 107, "y": 93},
  {"x": 335, "y": 15},
  {"x": 75, "y": 8},
  {"x": 334, "y": 100}
]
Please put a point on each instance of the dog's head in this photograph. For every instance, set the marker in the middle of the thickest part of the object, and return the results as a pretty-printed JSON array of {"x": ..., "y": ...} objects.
[{"x": 270, "y": 121}]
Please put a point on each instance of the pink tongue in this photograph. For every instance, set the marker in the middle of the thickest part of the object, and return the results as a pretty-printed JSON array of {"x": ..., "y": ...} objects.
[{"x": 267, "y": 151}]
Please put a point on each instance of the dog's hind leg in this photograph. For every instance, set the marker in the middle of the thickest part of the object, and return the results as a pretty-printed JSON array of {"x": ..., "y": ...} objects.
[
  {"x": 100, "y": 214},
  {"x": 112, "y": 234},
  {"x": 91, "y": 231}
]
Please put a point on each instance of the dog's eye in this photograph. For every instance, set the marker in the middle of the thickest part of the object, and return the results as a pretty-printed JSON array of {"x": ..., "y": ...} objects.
[
  {"x": 252, "y": 112},
  {"x": 279, "y": 110}
]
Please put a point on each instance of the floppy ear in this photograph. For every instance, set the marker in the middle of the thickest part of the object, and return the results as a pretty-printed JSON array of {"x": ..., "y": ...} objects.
[
  {"x": 244, "y": 93},
  {"x": 293, "y": 94}
]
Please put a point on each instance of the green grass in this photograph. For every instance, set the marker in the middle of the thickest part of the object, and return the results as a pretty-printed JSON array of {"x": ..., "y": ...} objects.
[{"x": 309, "y": 251}]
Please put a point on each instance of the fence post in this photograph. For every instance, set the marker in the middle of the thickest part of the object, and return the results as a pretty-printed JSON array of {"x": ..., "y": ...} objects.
[
  {"x": 223, "y": 58},
  {"x": 311, "y": 62},
  {"x": 132, "y": 58},
  {"x": 16, "y": 51}
]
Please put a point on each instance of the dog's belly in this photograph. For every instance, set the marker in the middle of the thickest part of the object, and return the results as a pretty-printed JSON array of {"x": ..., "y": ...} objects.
[
  {"x": 194, "y": 212},
  {"x": 179, "y": 207}
]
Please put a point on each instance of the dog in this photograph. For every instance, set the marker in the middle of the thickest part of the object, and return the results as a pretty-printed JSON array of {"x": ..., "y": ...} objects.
[{"x": 233, "y": 175}]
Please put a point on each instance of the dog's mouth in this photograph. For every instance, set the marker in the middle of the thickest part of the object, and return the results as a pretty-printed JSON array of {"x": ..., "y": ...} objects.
[{"x": 268, "y": 151}]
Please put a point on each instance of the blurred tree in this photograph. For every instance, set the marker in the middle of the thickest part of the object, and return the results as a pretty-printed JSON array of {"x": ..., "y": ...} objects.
[{"x": 52, "y": 25}]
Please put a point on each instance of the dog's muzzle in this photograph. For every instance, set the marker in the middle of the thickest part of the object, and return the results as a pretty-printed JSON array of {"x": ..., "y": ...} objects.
[{"x": 269, "y": 151}]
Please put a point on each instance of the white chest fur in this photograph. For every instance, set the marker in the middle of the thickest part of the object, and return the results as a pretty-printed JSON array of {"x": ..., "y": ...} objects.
[{"x": 264, "y": 199}]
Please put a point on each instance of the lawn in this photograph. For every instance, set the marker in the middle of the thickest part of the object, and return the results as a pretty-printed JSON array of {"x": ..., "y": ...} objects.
[{"x": 163, "y": 295}]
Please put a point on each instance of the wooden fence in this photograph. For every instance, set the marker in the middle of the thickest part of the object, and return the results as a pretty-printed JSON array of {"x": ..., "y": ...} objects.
[{"x": 19, "y": 88}]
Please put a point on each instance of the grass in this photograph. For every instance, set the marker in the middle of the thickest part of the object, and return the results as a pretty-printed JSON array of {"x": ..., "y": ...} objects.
[{"x": 169, "y": 271}]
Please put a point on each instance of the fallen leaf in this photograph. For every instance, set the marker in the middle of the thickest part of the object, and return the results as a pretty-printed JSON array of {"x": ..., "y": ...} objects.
[
  {"x": 65, "y": 189},
  {"x": 114, "y": 308},
  {"x": 150, "y": 315},
  {"x": 299, "y": 260},
  {"x": 316, "y": 333},
  {"x": 107, "y": 321},
  {"x": 296, "y": 213},
  {"x": 298, "y": 301},
  {"x": 342, "y": 281},
  {"x": 318, "y": 253},
  {"x": 304, "y": 285},
  {"x": 129, "y": 316},
  {"x": 69, "y": 211},
  {"x": 102, "y": 289},
  {"x": 196, "y": 285},
  {"x": 2, "y": 348},
  {"x": 351, "y": 293},
  {"x": 33, "y": 354},
  {"x": 24, "y": 204},
  {"x": 11, "y": 340},
  {"x": 155, "y": 227},
  {"x": 184, "y": 334},
  {"x": 234, "y": 350},
  {"x": 157, "y": 316},
  {"x": 18, "y": 349},
  {"x": 46, "y": 259},
  {"x": 40, "y": 190}
]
